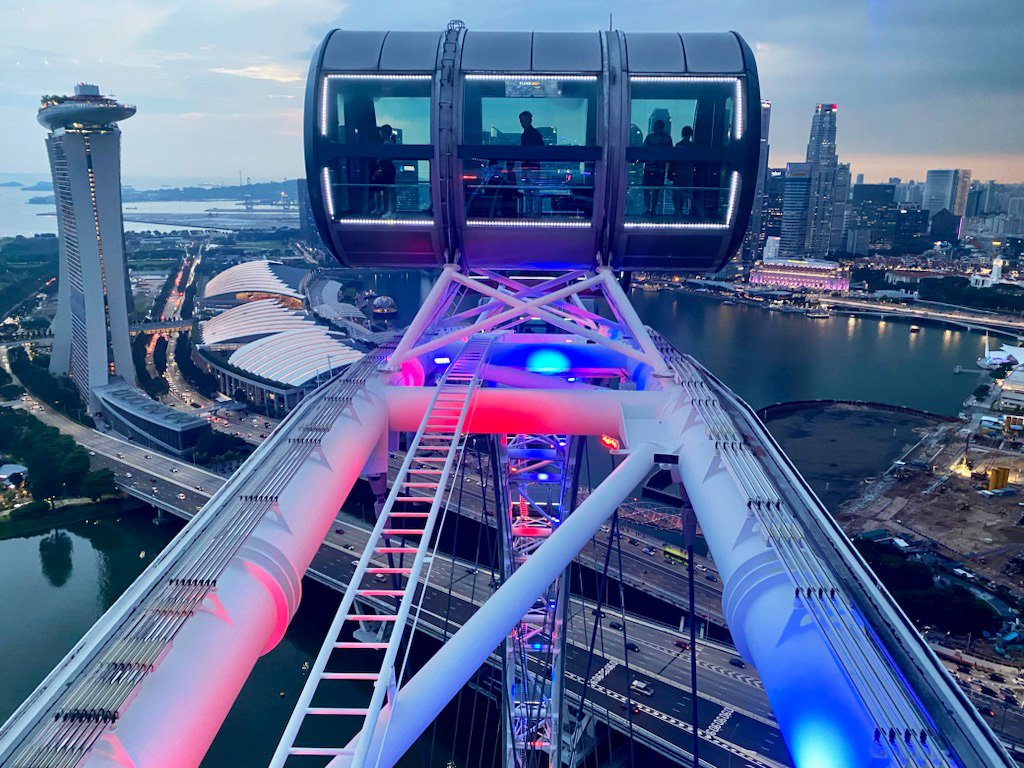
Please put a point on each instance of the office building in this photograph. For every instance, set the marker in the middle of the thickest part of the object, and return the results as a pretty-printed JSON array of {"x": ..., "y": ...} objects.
[
  {"x": 841, "y": 210},
  {"x": 946, "y": 189},
  {"x": 874, "y": 211},
  {"x": 945, "y": 226},
  {"x": 91, "y": 341},
  {"x": 753, "y": 241},
  {"x": 823, "y": 161},
  {"x": 794, "y": 209},
  {"x": 90, "y": 330},
  {"x": 775, "y": 192}
]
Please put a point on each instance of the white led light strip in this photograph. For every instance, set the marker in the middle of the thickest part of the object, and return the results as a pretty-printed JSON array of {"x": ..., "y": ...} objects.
[
  {"x": 528, "y": 224},
  {"x": 521, "y": 76},
  {"x": 734, "y": 185},
  {"x": 388, "y": 222},
  {"x": 325, "y": 180}
]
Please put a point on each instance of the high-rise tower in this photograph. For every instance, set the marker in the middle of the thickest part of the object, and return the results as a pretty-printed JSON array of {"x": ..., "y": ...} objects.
[
  {"x": 754, "y": 239},
  {"x": 90, "y": 330},
  {"x": 822, "y": 157}
]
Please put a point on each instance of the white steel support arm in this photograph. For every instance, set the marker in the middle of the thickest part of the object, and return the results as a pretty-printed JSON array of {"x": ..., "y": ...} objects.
[{"x": 420, "y": 700}]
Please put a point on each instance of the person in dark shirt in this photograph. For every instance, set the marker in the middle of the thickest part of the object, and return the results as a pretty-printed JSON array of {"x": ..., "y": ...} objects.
[
  {"x": 384, "y": 176},
  {"x": 531, "y": 168},
  {"x": 654, "y": 170},
  {"x": 681, "y": 172}
]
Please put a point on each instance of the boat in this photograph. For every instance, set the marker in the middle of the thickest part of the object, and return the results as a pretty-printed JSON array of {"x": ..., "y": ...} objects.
[
  {"x": 818, "y": 313},
  {"x": 915, "y": 328}
]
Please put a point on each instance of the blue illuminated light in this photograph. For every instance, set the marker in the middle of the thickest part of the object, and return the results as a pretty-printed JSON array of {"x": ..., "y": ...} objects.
[
  {"x": 547, "y": 361},
  {"x": 442, "y": 360},
  {"x": 543, "y": 476}
]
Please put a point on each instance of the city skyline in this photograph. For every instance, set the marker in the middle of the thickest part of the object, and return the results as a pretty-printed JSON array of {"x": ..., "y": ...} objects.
[{"x": 220, "y": 89}]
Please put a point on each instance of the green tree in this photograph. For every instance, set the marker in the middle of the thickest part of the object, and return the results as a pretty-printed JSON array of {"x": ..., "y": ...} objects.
[{"x": 98, "y": 484}]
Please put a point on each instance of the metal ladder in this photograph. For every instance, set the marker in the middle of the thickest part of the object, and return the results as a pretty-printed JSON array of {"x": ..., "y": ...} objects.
[{"x": 405, "y": 528}]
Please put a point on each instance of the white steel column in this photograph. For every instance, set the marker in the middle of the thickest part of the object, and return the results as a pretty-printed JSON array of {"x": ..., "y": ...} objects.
[{"x": 420, "y": 700}]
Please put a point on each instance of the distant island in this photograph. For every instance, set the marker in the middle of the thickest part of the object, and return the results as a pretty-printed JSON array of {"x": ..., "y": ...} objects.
[
  {"x": 264, "y": 192},
  {"x": 39, "y": 186},
  {"x": 10, "y": 184}
]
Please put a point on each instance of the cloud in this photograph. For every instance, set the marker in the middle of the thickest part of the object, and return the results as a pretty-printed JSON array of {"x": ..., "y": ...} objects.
[{"x": 275, "y": 72}]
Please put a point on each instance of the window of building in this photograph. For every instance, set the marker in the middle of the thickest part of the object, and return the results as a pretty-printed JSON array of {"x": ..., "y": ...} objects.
[
  {"x": 377, "y": 150},
  {"x": 682, "y": 139},
  {"x": 530, "y": 146}
]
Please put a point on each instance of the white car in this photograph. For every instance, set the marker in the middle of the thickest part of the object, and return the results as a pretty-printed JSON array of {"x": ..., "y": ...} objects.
[{"x": 181, "y": 496}]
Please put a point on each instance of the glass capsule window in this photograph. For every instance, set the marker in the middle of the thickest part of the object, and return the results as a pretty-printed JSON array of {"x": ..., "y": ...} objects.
[
  {"x": 680, "y": 158},
  {"x": 529, "y": 147},
  {"x": 378, "y": 150}
]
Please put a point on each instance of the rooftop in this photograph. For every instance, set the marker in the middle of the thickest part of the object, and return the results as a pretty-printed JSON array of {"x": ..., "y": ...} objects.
[
  {"x": 270, "y": 277},
  {"x": 294, "y": 358},
  {"x": 87, "y": 108},
  {"x": 251, "y": 321},
  {"x": 125, "y": 397}
]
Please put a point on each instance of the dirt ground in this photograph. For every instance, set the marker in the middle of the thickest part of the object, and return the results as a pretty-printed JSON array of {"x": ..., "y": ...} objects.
[{"x": 941, "y": 503}]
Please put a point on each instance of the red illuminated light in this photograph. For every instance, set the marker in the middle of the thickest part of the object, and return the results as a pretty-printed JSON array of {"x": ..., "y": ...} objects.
[{"x": 609, "y": 442}]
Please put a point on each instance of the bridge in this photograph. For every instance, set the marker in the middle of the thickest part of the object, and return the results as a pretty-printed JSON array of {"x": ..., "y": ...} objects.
[{"x": 959, "y": 318}]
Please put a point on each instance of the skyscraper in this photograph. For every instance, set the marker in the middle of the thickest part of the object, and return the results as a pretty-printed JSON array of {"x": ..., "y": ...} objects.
[
  {"x": 794, "y": 210},
  {"x": 754, "y": 239},
  {"x": 823, "y": 162},
  {"x": 90, "y": 330},
  {"x": 841, "y": 210},
  {"x": 946, "y": 189}
]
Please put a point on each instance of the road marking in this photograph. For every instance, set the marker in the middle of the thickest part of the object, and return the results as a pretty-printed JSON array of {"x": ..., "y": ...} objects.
[{"x": 602, "y": 673}]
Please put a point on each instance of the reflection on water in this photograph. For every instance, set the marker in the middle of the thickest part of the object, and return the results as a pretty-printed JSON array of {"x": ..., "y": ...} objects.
[{"x": 55, "y": 557}]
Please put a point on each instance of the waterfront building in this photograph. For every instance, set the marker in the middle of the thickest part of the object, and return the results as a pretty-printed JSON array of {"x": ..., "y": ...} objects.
[
  {"x": 753, "y": 241},
  {"x": 1011, "y": 392},
  {"x": 90, "y": 330},
  {"x": 252, "y": 280},
  {"x": 812, "y": 274},
  {"x": 91, "y": 341},
  {"x": 794, "y": 209},
  {"x": 821, "y": 197},
  {"x": 911, "y": 228},
  {"x": 771, "y": 249}
]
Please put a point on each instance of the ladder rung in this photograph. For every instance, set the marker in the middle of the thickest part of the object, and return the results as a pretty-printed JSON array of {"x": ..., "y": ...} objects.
[
  {"x": 396, "y": 550},
  {"x": 403, "y": 531},
  {"x": 381, "y": 592},
  {"x": 371, "y": 617},
  {"x": 426, "y": 472},
  {"x": 436, "y": 460},
  {"x": 350, "y": 645},
  {"x": 409, "y": 514},
  {"x": 416, "y": 499},
  {"x": 320, "y": 751},
  {"x": 336, "y": 711},
  {"x": 349, "y": 675},
  {"x": 419, "y": 485},
  {"x": 381, "y": 569}
]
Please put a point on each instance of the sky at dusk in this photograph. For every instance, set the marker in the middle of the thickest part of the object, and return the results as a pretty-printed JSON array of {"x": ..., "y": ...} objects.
[{"x": 219, "y": 83}]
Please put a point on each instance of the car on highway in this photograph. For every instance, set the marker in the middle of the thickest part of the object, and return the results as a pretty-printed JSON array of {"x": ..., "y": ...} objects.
[
  {"x": 174, "y": 469},
  {"x": 155, "y": 489},
  {"x": 683, "y": 645},
  {"x": 614, "y": 625},
  {"x": 642, "y": 687},
  {"x": 147, "y": 456},
  {"x": 120, "y": 455},
  {"x": 649, "y": 550},
  {"x": 181, "y": 496},
  {"x": 634, "y": 542},
  {"x": 127, "y": 474},
  {"x": 380, "y": 576},
  {"x": 339, "y": 531},
  {"x": 199, "y": 487},
  {"x": 738, "y": 662},
  {"x": 701, "y": 568},
  {"x": 988, "y": 712},
  {"x": 633, "y": 647},
  {"x": 710, "y": 577},
  {"x": 92, "y": 453}
]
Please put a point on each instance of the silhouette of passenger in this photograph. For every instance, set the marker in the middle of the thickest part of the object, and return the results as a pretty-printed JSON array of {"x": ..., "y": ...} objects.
[
  {"x": 382, "y": 179},
  {"x": 681, "y": 172},
  {"x": 531, "y": 137},
  {"x": 654, "y": 170}
]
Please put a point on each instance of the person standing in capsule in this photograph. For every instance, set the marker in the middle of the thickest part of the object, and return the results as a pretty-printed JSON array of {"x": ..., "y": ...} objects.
[
  {"x": 532, "y": 204},
  {"x": 654, "y": 170}
]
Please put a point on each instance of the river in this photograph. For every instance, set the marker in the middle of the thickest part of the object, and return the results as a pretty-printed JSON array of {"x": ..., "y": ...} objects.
[{"x": 57, "y": 584}]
